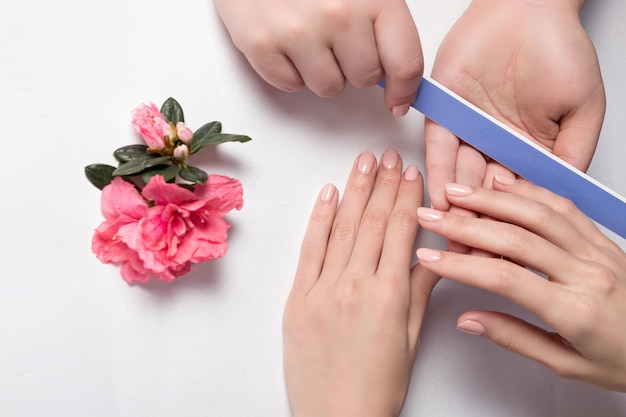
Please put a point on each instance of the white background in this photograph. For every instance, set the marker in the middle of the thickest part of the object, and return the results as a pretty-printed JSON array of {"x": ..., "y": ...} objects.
[{"x": 76, "y": 340}]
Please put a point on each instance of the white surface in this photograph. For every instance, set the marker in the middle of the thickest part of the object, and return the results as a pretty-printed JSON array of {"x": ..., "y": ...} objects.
[{"x": 77, "y": 341}]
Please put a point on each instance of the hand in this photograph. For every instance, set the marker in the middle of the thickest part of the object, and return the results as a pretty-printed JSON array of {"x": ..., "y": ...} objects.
[
  {"x": 323, "y": 43},
  {"x": 583, "y": 299},
  {"x": 530, "y": 65},
  {"x": 353, "y": 317}
]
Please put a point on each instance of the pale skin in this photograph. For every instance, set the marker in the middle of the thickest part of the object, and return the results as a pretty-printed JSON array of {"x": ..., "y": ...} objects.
[
  {"x": 583, "y": 300},
  {"x": 325, "y": 44},
  {"x": 353, "y": 317},
  {"x": 529, "y": 64}
]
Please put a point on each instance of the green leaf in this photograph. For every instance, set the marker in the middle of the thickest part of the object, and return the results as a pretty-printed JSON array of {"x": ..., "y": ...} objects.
[
  {"x": 130, "y": 152},
  {"x": 208, "y": 129},
  {"x": 168, "y": 172},
  {"x": 172, "y": 111},
  {"x": 99, "y": 175},
  {"x": 137, "y": 166},
  {"x": 193, "y": 174},
  {"x": 215, "y": 139}
]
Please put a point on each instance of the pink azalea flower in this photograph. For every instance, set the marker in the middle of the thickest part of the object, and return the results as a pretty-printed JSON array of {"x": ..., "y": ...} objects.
[
  {"x": 161, "y": 233},
  {"x": 151, "y": 125}
]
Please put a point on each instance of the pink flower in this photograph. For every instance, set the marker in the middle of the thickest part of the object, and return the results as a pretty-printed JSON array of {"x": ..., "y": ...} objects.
[
  {"x": 184, "y": 133},
  {"x": 162, "y": 232},
  {"x": 151, "y": 125}
]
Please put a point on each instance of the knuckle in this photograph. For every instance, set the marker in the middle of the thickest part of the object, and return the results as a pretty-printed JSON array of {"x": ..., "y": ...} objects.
[
  {"x": 541, "y": 215},
  {"x": 516, "y": 240},
  {"x": 584, "y": 311},
  {"x": 603, "y": 279},
  {"x": 343, "y": 231},
  {"x": 375, "y": 219},
  {"x": 369, "y": 78},
  {"x": 409, "y": 70},
  {"x": 336, "y": 12},
  {"x": 403, "y": 219},
  {"x": 331, "y": 88},
  {"x": 565, "y": 207},
  {"x": 505, "y": 277}
]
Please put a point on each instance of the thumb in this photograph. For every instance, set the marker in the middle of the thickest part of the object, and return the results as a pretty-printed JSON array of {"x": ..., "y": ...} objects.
[{"x": 400, "y": 53}]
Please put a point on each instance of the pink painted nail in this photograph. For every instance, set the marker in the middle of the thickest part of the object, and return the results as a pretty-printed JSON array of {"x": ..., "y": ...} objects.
[
  {"x": 411, "y": 173},
  {"x": 471, "y": 327},
  {"x": 366, "y": 163},
  {"x": 458, "y": 190},
  {"x": 429, "y": 214},
  {"x": 327, "y": 193},
  {"x": 390, "y": 158},
  {"x": 428, "y": 255}
]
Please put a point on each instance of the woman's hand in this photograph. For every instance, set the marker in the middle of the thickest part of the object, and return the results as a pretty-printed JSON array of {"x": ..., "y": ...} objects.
[
  {"x": 324, "y": 43},
  {"x": 583, "y": 299},
  {"x": 353, "y": 317}
]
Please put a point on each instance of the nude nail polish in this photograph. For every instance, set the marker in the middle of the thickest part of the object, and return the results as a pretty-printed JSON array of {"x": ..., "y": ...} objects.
[
  {"x": 366, "y": 163},
  {"x": 471, "y": 327},
  {"x": 429, "y": 214},
  {"x": 458, "y": 190},
  {"x": 390, "y": 158}
]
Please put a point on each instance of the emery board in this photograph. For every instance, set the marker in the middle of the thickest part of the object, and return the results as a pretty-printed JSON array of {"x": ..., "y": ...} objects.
[{"x": 521, "y": 155}]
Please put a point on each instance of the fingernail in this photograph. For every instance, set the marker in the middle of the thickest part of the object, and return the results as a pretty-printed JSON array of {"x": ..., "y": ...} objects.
[
  {"x": 471, "y": 327},
  {"x": 411, "y": 173},
  {"x": 400, "y": 110},
  {"x": 366, "y": 163},
  {"x": 327, "y": 193},
  {"x": 428, "y": 255},
  {"x": 458, "y": 190},
  {"x": 503, "y": 179},
  {"x": 390, "y": 158},
  {"x": 429, "y": 214}
]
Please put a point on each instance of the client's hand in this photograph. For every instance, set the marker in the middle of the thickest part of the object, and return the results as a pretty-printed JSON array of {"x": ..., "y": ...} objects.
[{"x": 352, "y": 320}]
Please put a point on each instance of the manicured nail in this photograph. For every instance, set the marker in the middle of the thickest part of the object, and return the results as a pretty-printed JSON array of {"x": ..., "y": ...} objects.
[
  {"x": 471, "y": 327},
  {"x": 400, "y": 110},
  {"x": 458, "y": 190},
  {"x": 390, "y": 158},
  {"x": 503, "y": 179},
  {"x": 429, "y": 214},
  {"x": 366, "y": 163},
  {"x": 327, "y": 193},
  {"x": 411, "y": 173},
  {"x": 428, "y": 255}
]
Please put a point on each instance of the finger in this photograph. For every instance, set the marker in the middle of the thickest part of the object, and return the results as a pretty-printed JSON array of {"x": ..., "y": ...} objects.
[
  {"x": 373, "y": 225},
  {"x": 345, "y": 226},
  {"x": 554, "y": 226},
  {"x": 317, "y": 66},
  {"x": 423, "y": 282},
  {"x": 513, "y": 282},
  {"x": 560, "y": 205},
  {"x": 470, "y": 167},
  {"x": 441, "y": 149},
  {"x": 314, "y": 244},
  {"x": 504, "y": 239},
  {"x": 400, "y": 53},
  {"x": 276, "y": 69},
  {"x": 525, "y": 339},
  {"x": 397, "y": 250},
  {"x": 357, "y": 55}
]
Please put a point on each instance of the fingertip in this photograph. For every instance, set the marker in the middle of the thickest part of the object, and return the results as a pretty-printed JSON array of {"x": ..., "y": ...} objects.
[{"x": 328, "y": 193}]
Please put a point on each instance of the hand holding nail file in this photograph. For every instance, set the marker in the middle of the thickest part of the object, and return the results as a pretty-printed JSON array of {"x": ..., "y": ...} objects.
[{"x": 521, "y": 155}]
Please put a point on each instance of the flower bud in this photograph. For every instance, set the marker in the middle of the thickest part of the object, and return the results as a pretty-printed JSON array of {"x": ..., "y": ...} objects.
[
  {"x": 181, "y": 152},
  {"x": 184, "y": 133}
]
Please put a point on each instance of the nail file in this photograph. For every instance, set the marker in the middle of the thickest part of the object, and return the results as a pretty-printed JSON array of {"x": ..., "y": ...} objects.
[{"x": 521, "y": 155}]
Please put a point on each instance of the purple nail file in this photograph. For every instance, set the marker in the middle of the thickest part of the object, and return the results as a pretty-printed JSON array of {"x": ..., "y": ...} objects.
[{"x": 521, "y": 155}]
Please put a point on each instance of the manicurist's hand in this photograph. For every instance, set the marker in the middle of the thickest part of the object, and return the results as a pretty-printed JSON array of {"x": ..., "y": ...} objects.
[
  {"x": 324, "y": 43},
  {"x": 583, "y": 300},
  {"x": 530, "y": 65},
  {"x": 353, "y": 317}
]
